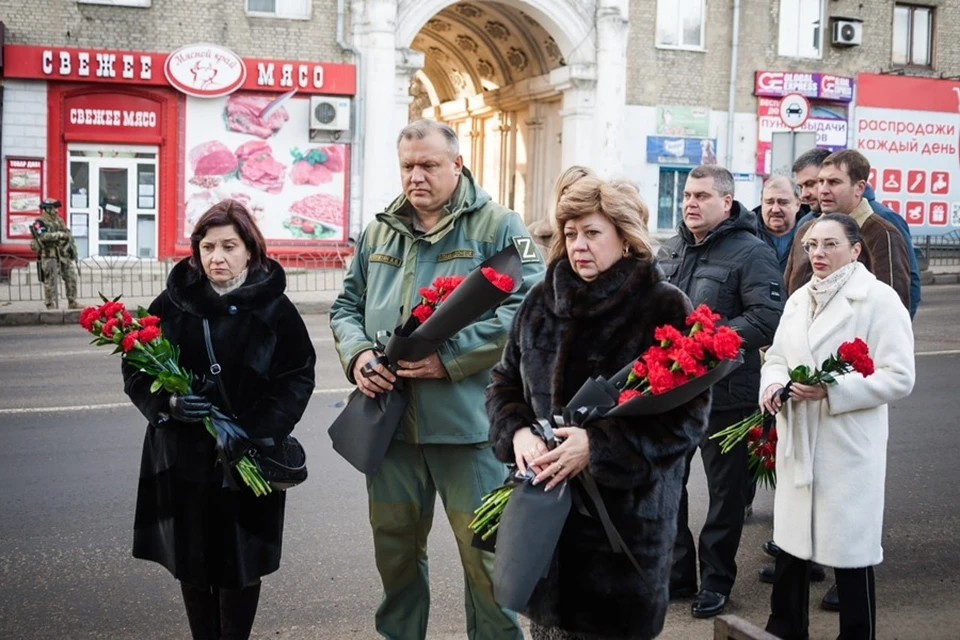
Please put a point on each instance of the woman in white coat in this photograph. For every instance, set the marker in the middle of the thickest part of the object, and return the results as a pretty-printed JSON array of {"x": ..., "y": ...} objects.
[{"x": 831, "y": 455}]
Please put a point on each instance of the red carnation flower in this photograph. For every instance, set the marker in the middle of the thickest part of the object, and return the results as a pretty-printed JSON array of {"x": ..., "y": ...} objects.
[
  {"x": 726, "y": 343},
  {"x": 656, "y": 356},
  {"x": 149, "y": 321},
  {"x": 853, "y": 350},
  {"x": 112, "y": 308},
  {"x": 500, "y": 280},
  {"x": 88, "y": 316},
  {"x": 705, "y": 316},
  {"x": 107, "y": 330},
  {"x": 754, "y": 434},
  {"x": 770, "y": 464},
  {"x": 660, "y": 378},
  {"x": 639, "y": 369},
  {"x": 130, "y": 340},
  {"x": 666, "y": 335},
  {"x": 691, "y": 346},
  {"x": 772, "y": 435},
  {"x": 629, "y": 394},
  {"x": 863, "y": 366},
  {"x": 126, "y": 318},
  {"x": 148, "y": 334},
  {"x": 422, "y": 311},
  {"x": 684, "y": 360},
  {"x": 429, "y": 295}
]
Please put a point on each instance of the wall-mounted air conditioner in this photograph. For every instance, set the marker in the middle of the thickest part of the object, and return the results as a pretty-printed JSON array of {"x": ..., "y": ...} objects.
[
  {"x": 847, "y": 32},
  {"x": 329, "y": 113}
]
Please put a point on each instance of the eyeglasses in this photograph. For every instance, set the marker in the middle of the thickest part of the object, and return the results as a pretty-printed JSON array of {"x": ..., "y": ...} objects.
[{"x": 829, "y": 246}]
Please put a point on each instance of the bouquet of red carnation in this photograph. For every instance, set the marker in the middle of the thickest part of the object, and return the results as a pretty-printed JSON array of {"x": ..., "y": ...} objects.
[
  {"x": 677, "y": 358},
  {"x": 852, "y": 356},
  {"x": 363, "y": 431},
  {"x": 142, "y": 344}
]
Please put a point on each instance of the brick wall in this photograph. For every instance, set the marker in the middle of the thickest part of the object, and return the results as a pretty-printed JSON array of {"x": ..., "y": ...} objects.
[
  {"x": 169, "y": 24},
  {"x": 24, "y": 129},
  {"x": 663, "y": 76}
]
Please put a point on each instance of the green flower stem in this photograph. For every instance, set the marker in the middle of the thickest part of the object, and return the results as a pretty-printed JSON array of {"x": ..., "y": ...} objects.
[{"x": 248, "y": 471}]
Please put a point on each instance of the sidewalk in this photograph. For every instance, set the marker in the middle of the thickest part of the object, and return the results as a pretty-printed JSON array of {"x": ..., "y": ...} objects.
[{"x": 32, "y": 312}]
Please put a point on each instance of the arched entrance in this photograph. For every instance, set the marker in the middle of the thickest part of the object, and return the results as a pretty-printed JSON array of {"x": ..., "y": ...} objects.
[
  {"x": 531, "y": 86},
  {"x": 496, "y": 74}
]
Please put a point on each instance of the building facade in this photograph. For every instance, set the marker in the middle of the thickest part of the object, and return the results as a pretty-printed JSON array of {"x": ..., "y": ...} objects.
[{"x": 139, "y": 114}]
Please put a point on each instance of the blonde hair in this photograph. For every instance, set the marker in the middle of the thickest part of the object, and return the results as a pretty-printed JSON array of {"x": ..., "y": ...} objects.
[
  {"x": 566, "y": 180},
  {"x": 618, "y": 201}
]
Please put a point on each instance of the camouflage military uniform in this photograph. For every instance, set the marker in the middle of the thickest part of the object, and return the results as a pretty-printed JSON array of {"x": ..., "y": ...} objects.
[{"x": 57, "y": 253}]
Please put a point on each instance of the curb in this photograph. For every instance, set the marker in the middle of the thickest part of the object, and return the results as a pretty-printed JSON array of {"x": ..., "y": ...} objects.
[
  {"x": 72, "y": 316},
  {"x": 927, "y": 278}
]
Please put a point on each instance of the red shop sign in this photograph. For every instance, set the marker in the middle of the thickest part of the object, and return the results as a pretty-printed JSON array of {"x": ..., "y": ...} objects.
[
  {"x": 137, "y": 68},
  {"x": 109, "y": 113}
]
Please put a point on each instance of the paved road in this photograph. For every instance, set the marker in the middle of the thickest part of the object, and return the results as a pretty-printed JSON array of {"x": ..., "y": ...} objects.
[{"x": 68, "y": 472}]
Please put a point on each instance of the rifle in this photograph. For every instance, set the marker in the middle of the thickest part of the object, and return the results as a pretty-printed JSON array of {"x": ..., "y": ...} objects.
[{"x": 36, "y": 238}]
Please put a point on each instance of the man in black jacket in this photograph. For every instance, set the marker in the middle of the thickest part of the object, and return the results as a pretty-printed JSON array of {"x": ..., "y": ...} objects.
[{"x": 718, "y": 260}]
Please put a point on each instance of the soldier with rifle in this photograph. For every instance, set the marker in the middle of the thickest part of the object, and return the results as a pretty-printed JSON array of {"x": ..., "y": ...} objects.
[{"x": 56, "y": 254}]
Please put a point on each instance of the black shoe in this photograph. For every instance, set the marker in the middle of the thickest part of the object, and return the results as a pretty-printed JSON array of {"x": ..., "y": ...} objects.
[
  {"x": 831, "y": 600},
  {"x": 771, "y": 549},
  {"x": 708, "y": 604},
  {"x": 818, "y": 573},
  {"x": 679, "y": 592},
  {"x": 767, "y": 574}
]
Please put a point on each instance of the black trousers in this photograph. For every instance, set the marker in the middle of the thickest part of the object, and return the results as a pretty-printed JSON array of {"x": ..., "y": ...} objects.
[
  {"x": 720, "y": 537},
  {"x": 790, "y": 601},
  {"x": 220, "y": 614}
]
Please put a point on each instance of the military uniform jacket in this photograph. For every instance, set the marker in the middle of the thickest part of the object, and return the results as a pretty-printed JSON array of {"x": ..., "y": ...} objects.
[
  {"x": 55, "y": 239},
  {"x": 381, "y": 287}
]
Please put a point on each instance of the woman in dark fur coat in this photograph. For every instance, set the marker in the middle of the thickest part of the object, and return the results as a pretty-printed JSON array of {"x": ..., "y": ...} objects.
[
  {"x": 216, "y": 541},
  {"x": 595, "y": 312}
]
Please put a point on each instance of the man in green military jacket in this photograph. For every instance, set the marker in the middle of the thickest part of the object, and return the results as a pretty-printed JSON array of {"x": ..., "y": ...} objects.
[
  {"x": 56, "y": 251},
  {"x": 443, "y": 224}
]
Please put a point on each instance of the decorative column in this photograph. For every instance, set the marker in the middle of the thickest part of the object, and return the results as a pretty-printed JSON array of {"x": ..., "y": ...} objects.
[
  {"x": 536, "y": 196},
  {"x": 612, "y": 29},
  {"x": 580, "y": 142},
  {"x": 374, "y": 30}
]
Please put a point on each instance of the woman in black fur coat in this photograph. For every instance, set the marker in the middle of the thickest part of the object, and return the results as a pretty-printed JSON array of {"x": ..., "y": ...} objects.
[
  {"x": 595, "y": 312},
  {"x": 219, "y": 542}
]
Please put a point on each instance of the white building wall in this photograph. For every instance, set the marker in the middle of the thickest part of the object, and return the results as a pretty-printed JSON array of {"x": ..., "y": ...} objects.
[{"x": 24, "y": 131}]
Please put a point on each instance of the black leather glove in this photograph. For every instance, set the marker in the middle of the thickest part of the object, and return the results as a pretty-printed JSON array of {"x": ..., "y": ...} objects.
[{"x": 189, "y": 408}]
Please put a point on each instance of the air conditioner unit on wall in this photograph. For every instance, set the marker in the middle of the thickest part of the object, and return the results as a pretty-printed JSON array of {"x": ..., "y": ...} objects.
[
  {"x": 847, "y": 32},
  {"x": 329, "y": 113}
]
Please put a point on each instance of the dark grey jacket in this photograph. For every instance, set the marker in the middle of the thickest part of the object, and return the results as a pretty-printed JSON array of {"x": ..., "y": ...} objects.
[{"x": 737, "y": 275}]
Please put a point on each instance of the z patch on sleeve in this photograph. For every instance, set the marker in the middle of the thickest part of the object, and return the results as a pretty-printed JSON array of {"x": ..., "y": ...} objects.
[{"x": 527, "y": 250}]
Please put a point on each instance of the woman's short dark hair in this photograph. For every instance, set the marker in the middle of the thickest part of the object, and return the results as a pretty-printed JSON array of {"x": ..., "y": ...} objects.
[
  {"x": 233, "y": 213},
  {"x": 851, "y": 230}
]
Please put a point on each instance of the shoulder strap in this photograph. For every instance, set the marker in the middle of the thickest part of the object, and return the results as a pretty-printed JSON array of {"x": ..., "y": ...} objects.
[{"x": 215, "y": 367}]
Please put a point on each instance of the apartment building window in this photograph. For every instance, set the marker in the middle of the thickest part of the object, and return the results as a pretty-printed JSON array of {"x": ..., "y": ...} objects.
[
  {"x": 801, "y": 28},
  {"x": 670, "y": 200},
  {"x": 680, "y": 24},
  {"x": 295, "y": 9},
  {"x": 912, "y": 35}
]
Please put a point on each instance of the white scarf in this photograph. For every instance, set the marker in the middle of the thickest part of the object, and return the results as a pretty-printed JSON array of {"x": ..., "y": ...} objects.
[
  {"x": 822, "y": 290},
  {"x": 229, "y": 285}
]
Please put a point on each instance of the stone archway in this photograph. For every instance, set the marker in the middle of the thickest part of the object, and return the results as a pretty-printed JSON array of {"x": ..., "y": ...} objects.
[{"x": 561, "y": 108}]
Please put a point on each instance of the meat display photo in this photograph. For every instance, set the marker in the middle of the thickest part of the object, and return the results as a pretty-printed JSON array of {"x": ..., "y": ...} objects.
[{"x": 256, "y": 148}]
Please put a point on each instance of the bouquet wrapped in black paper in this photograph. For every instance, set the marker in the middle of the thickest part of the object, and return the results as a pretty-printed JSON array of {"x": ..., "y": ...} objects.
[
  {"x": 669, "y": 374},
  {"x": 363, "y": 430}
]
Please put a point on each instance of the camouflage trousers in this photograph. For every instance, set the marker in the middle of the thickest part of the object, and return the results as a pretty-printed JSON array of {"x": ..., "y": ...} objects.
[
  {"x": 53, "y": 270},
  {"x": 402, "y": 497}
]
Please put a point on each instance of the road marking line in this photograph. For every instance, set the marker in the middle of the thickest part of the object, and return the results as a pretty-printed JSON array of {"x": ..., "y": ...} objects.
[
  {"x": 120, "y": 405},
  {"x": 946, "y": 352},
  {"x": 93, "y": 351}
]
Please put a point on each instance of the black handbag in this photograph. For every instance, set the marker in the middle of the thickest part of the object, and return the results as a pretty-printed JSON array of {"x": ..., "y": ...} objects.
[{"x": 283, "y": 466}]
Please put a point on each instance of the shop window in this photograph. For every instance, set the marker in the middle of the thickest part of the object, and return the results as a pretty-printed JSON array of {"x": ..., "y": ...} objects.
[
  {"x": 912, "y": 35},
  {"x": 680, "y": 24},
  {"x": 670, "y": 200},
  {"x": 119, "y": 3},
  {"x": 294, "y": 9},
  {"x": 801, "y": 29}
]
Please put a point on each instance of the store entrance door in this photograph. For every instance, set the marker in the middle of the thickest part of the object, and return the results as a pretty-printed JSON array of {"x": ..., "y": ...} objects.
[{"x": 112, "y": 204}]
